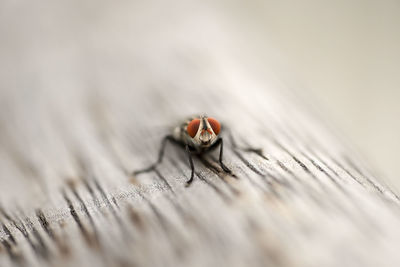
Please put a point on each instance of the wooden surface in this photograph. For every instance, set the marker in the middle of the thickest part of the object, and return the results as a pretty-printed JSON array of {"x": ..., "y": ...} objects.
[{"x": 88, "y": 92}]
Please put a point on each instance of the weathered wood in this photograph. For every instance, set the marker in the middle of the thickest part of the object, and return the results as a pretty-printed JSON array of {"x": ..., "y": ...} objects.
[{"x": 91, "y": 102}]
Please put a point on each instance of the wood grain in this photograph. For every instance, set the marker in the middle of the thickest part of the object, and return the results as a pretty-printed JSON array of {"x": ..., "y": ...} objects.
[{"x": 90, "y": 103}]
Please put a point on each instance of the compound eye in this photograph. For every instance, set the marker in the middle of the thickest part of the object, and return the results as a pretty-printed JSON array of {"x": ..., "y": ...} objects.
[
  {"x": 193, "y": 127},
  {"x": 215, "y": 125}
]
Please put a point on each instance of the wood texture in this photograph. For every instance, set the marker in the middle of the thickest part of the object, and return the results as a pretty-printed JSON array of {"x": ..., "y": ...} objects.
[{"x": 90, "y": 102}]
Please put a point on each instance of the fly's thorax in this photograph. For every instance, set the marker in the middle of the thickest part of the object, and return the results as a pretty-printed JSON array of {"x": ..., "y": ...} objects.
[{"x": 177, "y": 133}]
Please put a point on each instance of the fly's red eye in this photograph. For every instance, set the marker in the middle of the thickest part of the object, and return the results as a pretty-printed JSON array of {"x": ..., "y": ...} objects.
[
  {"x": 215, "y": 125},
  {"x": 193, "y": 127}
]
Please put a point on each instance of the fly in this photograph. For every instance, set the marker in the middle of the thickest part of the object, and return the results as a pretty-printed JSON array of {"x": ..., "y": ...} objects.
[{"x": 197, "y": 135}]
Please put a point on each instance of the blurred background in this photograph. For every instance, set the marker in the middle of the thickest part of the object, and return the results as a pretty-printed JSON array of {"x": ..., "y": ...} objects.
[
  {"x": 343, "y": 56},
  {"x": 346, "y": 56}
]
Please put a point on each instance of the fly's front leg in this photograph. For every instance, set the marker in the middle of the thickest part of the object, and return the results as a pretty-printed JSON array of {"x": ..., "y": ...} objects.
[
  {"x": 188, "y": 182},
  {"x": 160, "y": 155},
  {"x": 220, "y": 142}
]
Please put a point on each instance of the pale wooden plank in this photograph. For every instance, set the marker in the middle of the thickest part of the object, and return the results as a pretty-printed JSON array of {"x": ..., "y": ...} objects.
[{"x": 86, "y": 111}]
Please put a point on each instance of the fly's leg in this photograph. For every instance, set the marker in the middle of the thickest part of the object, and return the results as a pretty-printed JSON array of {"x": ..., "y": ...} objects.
[
  {"x": 220, "y": 143},
  {"x": 257, "y": 151},
  {"x": 160, "y": 155},
  {"x": 188, "y": 182}
]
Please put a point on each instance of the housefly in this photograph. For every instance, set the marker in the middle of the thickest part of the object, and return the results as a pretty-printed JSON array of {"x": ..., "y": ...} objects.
[{"x": 197, "y": 134}]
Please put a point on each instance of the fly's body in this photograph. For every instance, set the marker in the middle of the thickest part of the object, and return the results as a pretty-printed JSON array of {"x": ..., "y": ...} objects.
[{"x": 197, "y": 135}]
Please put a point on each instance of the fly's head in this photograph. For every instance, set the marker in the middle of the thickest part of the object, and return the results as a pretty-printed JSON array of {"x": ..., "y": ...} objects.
[{"x": 203, "y": 131}]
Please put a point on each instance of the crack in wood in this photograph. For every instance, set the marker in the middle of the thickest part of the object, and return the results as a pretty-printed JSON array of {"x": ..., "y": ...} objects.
[{"x": 90, "y": 239}]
